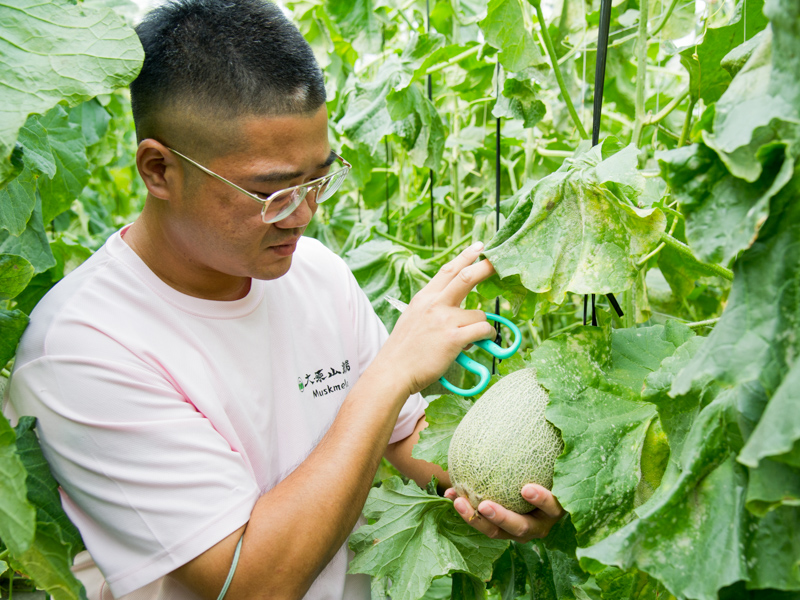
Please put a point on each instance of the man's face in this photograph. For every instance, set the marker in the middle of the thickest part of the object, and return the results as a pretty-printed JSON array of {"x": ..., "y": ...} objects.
[{"x": 219, "y": 229}]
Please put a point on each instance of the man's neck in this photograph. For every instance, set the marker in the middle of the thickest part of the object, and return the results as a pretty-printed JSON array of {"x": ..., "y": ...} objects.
[{"x": 151, "y": 244}]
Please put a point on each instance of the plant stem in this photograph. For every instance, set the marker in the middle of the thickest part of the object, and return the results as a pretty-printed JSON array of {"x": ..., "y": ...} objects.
[
  {"x": 403, "y": 243},
  {"x": 651, "y": 120},
  {"x": 454, "y": 211},
  {"x": 699, "y": 324},
  {"x": 686, "y": 251},
  {"x": 557, "y": 70},
  {"x": 641, "y": 74},
  {"x": 454, "y": 182},
  {"x": 687, "y": 123},
  {"x": 452, "y": 248},
  {"x": 660, "y": 247},
  {"x": 459, "y": 57},
  {"x": 4, "y": 553},
  {"x": 664, "y": 20},
  {"x": 554, "y": 153}
]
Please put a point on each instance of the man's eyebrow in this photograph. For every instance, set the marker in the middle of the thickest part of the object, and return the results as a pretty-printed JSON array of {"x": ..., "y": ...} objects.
[{"x": 272, "y": 176}]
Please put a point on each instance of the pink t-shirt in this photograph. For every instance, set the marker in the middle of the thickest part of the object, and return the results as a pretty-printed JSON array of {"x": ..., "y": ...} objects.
[{"x": 164, "y": 417}]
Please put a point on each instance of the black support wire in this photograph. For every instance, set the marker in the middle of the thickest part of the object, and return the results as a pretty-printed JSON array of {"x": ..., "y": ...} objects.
[
  {"x": 599, "y": 81},
  {"x": 498, "y": 336}
]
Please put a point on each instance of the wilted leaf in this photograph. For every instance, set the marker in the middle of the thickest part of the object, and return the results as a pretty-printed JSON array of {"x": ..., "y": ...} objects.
[{"x": 580, "y": 229}]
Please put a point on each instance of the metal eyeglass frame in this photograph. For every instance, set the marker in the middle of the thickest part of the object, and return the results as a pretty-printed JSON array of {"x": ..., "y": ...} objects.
[{"x": 299, "y": 192}]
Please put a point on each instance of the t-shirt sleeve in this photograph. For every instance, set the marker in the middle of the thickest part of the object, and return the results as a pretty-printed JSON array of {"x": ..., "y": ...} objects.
[
  {"x": 372, "y": 334},
  {"x": 145, "y": 476}
]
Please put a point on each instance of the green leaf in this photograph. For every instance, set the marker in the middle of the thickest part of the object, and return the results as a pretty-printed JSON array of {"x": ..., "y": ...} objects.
[
  {"x": 92, "y": 119},
  {"x": 723, "y": 213},
  {"x": 70, "y": 51},
  {"x": 771, "y": 485},
  {"x": 357, "y": 23},
  {"x": 617, "y": 584},
  {"x": 417, "y": 537},
  {"x": 17, "y": 200},
  {"x": 775, "y": 556},
  {"x": 391, "y": 103},
  {"x": 418, "y": 125},
  {"x": 49, "y": 558},
  {"x": 383, "y": 268},
  {"x": 43, "y": 488},
  {"x": 15, "y": 273},
  {"x": 595, "y": 382},
  {"x": 519, "y": 101},
  {"x": 707, "y": 80},
  {"x": 704, "y": 505},
  {"x": 37, "y": 154},
  {"x": 540, "y": 571},
  {"x": 32, "y": 244},
  {"x": 47, "y": 563},
  {"x": 777, "y": 434},
  {"x": 762, "y": 104},
  {"x": 753, "y": 342},
  {"x": 68, "y": 148},
  {"x": 467, "y": 587},
  {"x": 443, "y": 416},
  {"x": 17, "y": 516},
  {"x": 12, "y": 325},
  {"x": 679, "y": 412},
  {"x": 580, "y": 229},
  {"x": 504, "y": 28}
]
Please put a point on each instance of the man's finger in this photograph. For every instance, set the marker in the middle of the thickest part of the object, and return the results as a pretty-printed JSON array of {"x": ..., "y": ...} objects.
[
  {"x": 543, "y": 499},
  {"x": 518, "y": 526},
  {"x": 450, "y": 270},
  {"x": 461, "y": 284}
]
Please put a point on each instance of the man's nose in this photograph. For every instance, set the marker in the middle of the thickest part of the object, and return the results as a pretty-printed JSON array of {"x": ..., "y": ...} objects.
[{"x": 301, "y": 216}]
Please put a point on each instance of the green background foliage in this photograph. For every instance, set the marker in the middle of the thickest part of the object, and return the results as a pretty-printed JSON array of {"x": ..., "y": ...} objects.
[{"x": 681, "y": 468}]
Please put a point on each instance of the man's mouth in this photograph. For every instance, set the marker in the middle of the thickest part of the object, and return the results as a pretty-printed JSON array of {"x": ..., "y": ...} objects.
[{"x": 287, "y": 248}]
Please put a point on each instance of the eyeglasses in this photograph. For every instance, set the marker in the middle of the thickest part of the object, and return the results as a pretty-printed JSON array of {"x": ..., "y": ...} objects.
[{"x": 281, "y": 204}]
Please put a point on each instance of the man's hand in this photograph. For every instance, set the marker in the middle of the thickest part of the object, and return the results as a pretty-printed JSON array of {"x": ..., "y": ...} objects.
[
  {"x": 500, "y": 523},
  {"x": 433, "y": 329}
]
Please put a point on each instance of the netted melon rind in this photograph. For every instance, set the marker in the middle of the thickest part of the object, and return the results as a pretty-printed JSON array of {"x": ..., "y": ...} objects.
[{"x": 504, "y": 442}]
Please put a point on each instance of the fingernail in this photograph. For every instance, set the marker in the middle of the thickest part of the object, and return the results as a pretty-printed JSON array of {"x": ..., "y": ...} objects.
[
  {"x": 476, "y": 247},
  {"x": 530, "y": 492},
  {"x": 461, "y": 510},
  {"x": 487, "y": 511}
]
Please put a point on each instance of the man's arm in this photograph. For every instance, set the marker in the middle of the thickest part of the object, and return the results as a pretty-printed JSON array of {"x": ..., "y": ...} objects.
[
  {"x": 491, "y": 518},
  {"x": 296, "y": 528}
]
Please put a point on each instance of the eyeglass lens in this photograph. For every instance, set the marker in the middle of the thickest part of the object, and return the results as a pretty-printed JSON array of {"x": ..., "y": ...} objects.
[{"x": 282, "y": 205}]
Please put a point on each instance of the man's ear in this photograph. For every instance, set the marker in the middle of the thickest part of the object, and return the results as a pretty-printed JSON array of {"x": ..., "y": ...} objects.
[{"x": 160, "y": 169}]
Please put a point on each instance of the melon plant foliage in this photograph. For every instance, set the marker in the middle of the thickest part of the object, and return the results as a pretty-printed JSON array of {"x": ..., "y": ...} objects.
[
  {"x": 67, "y": 181},
  {"x": 680, "y": 420}
]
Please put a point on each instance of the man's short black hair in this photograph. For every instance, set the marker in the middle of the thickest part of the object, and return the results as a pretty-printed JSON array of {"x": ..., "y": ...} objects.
[{"x": 224, "y": 59}]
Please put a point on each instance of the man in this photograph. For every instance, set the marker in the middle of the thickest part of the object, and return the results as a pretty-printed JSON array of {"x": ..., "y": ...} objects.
[{"x": 172, "y": 374}]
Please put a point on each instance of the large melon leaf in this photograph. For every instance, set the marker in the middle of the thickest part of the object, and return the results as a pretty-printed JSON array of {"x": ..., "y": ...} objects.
[
  {"x": 581, "y": 229},
  {"x": 17, "y": 516},
  {"x": 71, "y": 52},
  {"x": 416, "y": 537},
  {"x": 595, "y": 379},
  {"x": 57, "y": 541}
]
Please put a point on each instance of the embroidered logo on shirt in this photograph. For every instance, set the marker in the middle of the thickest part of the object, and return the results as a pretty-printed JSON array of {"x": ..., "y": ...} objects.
[{"x": 317, "y": 379}]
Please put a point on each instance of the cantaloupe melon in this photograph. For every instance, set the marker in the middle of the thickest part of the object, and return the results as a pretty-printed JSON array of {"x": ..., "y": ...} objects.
[{"x": 504, "y": 442}]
